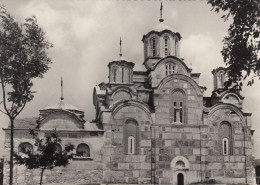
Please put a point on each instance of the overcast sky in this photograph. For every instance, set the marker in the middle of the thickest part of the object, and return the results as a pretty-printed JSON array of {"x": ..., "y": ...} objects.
[{"x": 85, "y": 35}]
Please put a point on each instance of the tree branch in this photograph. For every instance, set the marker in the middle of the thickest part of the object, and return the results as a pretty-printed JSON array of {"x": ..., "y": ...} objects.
[{"x": 4, "y": 98}]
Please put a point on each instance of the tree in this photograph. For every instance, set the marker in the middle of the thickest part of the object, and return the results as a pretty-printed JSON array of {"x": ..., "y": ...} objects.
[
  {"x": 47, "y": 156},
  {"x": 23, "y": 57},
  {"x": 241, "y": 46}
]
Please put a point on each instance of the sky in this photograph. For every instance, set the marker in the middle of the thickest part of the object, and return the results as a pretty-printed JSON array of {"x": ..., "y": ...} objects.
[{"x": 86, "y": 33}]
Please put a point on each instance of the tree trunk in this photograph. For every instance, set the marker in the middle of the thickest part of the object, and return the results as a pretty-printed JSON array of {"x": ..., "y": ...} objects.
[
  {"x": 41, "y": 176},
  {"x": 11, "y": 152}
]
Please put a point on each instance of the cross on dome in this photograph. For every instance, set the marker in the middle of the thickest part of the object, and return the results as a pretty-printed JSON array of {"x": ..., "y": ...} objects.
[
  {"x": 161, "y": 9},
  {"x": 61, "y": 84},
  {"x": 120, "y": 43}
]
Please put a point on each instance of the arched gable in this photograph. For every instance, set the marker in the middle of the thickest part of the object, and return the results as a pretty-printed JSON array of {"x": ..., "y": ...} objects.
[
  {"x": 230, "y": 107},
  {"x": 235, "y": 98},
  {"x": 116, "y": 107},
  {"x": 61, "y": 120},
  {"x": 188, "y": 79},
  {"x": 124, "y": 88},
  {"x": 174, "y": 60}
]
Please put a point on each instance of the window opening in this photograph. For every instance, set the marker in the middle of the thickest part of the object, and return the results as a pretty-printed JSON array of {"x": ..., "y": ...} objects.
[
  {"x": 123, "y": 75},
  {"x": 225, "y": 146},
  {"x": 153, "y": 47},
  {"x": 83, "y": 150},
  {"x": 131, "y": 145},
  {"x": 169, "y": 69},
  {"x": 25, "y": 147},
  {"x": 114, "y": 75},
  {"x": 175, "y": 112},
  {"x": 176, "y": 47},
  {"x": 166, "y": 45},
  {"x": 181, "y": 112}
]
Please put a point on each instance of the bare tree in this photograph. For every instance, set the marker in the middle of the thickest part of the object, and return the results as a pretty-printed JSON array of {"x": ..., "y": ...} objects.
[{"x": 23, "y": 57}]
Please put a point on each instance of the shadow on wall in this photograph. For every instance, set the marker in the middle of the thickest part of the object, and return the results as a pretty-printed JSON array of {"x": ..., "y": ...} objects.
[
  {"x": 257, "y": 171},
  {"x": 1, "y": 171}
]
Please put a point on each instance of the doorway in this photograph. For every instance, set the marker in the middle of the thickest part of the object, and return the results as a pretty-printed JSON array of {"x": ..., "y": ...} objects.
[{"x": 180, "y": 179}]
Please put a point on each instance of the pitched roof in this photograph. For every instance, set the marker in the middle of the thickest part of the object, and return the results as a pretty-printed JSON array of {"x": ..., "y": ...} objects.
[
  {"x": 61, "y": 105},
  {"x": 29, "y": 123}
]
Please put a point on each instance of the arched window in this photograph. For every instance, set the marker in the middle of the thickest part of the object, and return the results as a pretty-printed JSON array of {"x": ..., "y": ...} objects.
[
  {"x": 131, "y": 145},
  {"x": 83, "y": 150},
  {"x": 58, "y": 147},
  {"x": 114, "y": 75},
  {"x": 123, "y": 74},
  {"x": 225, "y": 138},
  {"x": 169, "y": 69},
  {"x": 131, "y": 137},
  {"x": 25, "y": 147},
  {"x": 153, "y": 47},
  {"x": 221, "y": 79},
  {"x": 166, "y": 46},
  {"x": 177, "y": 113},
  {"x": 225, "y": 146}
]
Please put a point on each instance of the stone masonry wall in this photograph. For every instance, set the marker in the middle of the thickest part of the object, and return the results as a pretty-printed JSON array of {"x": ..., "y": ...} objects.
[{"x": 80, "y": 171}]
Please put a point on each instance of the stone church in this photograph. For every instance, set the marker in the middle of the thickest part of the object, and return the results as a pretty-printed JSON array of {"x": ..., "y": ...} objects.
[{"x": 151, "y": 127}]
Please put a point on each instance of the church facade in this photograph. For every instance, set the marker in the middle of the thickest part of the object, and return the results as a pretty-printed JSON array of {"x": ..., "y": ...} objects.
[{"x": 151, "y": 127}]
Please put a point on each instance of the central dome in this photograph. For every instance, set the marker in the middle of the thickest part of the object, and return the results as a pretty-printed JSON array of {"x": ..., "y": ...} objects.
[{"x": 161, "y": 27}]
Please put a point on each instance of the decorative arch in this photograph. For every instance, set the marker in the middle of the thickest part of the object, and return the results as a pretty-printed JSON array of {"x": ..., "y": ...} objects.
[
  {"x": 180, "y": 77},
  {"x": 124, "y": 88},
  {"x": 227, "y": 106},
  {"x": 114, "y": 108},
  {"x": 179, "y": 159},
  {"x": 79, "y": 122},
  {"x": 160, "y": 62},
  {"x": 239, "y": 99}
]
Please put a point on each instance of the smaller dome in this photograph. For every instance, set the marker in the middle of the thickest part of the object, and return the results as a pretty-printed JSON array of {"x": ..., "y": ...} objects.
[
  {"x": 62, "y": 105},
  {"x": 161, "y": 27},
  {"x": 122, "y": 59}
]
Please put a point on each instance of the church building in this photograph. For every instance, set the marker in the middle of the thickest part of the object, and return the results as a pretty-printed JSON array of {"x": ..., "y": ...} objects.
[{"x": 151, "y": 127}]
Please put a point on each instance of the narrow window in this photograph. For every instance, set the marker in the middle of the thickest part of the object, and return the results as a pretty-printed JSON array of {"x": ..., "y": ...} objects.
[
  {"x": 114, "y": 75},
  {"x": 170, "y": 69},
  {"x": 176, "y": 47},
  {"x": 225, "y": 146},
  {"x": 181, "y": 112},
  {"x": 131, "y": 145},
  {"x": 154, "y": 47},
  {"x": 175, "y": 111},
  {"x": 225, "y": 138},
  {"x": 123, "y": 75},
  {"x": 177, "y": 107},
  {"x": 166, "y": 46}
]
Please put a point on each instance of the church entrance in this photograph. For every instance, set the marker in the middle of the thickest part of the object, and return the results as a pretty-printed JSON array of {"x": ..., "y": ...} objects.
[{"x": 180, "y": 179}]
